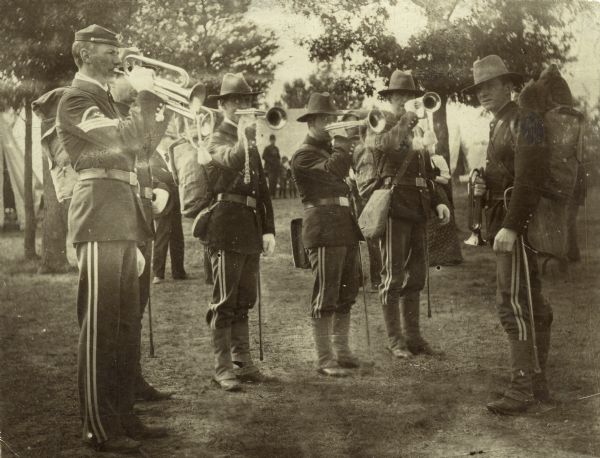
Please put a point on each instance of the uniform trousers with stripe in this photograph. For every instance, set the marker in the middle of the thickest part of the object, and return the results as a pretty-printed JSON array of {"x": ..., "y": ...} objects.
[
  {"x": 235, "y": 287},
  {"x": 108, "y": 311},
  {"x": 511, "y": 294},
  {"x": 335, "y": 269},
  {"x": 144, "y": 282},
  {"x": 403, "y": 270}
]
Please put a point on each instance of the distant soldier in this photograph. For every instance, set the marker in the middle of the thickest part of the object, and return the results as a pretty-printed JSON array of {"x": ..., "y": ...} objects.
[
  {"x": 272, "y": 160},
  {"x": 330, "y": 233},
  {"x": 493, "y": 85}
]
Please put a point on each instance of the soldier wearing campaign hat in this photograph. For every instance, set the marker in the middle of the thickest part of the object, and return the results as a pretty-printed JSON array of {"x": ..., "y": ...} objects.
[
  {"x": 240, "y": 228},
  {"x": 330, "y": 233},
  {"x": 508, "y": 167},
  {"x": 405, "y": 168},
  {"x": 106, "y": 223}
]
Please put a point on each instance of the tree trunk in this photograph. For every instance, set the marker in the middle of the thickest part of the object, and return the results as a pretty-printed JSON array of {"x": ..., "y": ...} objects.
[
  {"x": 440, "y": 126},
  {"x": 30, "y": 222},
  {"x": 54, "y": 229}
]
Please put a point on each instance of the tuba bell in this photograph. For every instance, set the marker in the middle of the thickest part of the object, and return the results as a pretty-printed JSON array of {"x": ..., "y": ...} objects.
[{"x": 475, "y": 210}]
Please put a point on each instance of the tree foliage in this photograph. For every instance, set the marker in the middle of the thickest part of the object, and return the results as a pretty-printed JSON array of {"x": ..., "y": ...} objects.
[
  {"x": 36, "y": 40},
  {"x": 342, "y": 88},
  {"x": 206, "y": 37}
]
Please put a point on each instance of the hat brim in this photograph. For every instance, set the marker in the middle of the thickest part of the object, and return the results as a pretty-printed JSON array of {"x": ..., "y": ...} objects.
[
  {"x": 517, "y": 78},
  {"x": 231, "y": 94},
  {"x": 386, "y": 92},
  {"x": 306, "y": 116}
]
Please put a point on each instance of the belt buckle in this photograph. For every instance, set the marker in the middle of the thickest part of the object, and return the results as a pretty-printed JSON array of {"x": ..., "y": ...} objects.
[
  {"x": 133, "y": 179},
  {"x": 420, "y": 182},
  {"x": 344, "y": 202}
]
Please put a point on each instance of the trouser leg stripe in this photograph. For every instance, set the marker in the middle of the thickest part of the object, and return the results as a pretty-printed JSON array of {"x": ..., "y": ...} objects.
[
  {"x": 514, "y": 296},
  {"x": 88, "y": 364},
  {"x": 94, "y": 378},
  {"x": 388, "y": 261}
]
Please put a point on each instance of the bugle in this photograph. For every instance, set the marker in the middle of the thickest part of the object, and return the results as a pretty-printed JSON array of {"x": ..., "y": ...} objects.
[
  {"x": 275, "y": 118},
  {"x": 180, "y": 99},
  {"x": 475, "y": 210},
  {"x": 375, "y": 120},
  {"x": 427, "y": 103}
]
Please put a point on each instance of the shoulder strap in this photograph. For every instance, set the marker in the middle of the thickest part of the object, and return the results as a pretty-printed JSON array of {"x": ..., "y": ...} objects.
[{"x": 402, "y": 169}]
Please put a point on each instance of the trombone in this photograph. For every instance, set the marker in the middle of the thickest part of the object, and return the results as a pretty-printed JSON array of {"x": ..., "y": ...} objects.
[{"x": 375, "y": 120}]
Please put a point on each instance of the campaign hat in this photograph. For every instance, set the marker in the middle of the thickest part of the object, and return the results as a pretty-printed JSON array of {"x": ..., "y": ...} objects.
[
  {"x": 319, "y": 104},
  {"x": 402, "y": 82}
]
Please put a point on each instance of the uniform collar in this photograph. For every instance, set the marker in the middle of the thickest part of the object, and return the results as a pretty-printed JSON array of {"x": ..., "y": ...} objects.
[
  {"x": 228, "y": 128},
  {"x": 83, "y": 77},
  {"x": 122, "y": 108}
]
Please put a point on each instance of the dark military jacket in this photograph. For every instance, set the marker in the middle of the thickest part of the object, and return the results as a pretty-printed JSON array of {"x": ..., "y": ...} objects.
[
  {"x": 319, "y": 172},
  {"x": 94, "y": 136},
  {"x": 235, "y": 226},
  {"x": 408, "y": 201},
  {"x": 518, "y": 161},
  {"x": 272, "y": 159}
]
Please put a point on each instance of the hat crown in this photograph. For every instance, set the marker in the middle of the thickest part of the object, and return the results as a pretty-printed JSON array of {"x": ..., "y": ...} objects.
[
  {"x": 320, "y": 102},
  {"x": 402, "y": 81},
  {"x": 235, "y": 83},
  {"x": 488, "y": 68}
]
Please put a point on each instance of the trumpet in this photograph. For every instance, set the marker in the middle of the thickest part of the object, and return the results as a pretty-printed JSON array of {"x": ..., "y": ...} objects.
[
  {"x": 427, "y": 103},
  {"x": 475, "y": 210},
  {"x": 275, "y": 117},
  {"x": 375, "y": 120},
  {"x": 180, "y": 99}
]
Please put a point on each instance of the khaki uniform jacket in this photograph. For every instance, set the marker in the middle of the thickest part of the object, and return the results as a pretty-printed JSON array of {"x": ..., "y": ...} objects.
[
  {"x": 95, "y": 136},
  {"x": 234, "y": 226},
  {"x": 320, "y": 172}
]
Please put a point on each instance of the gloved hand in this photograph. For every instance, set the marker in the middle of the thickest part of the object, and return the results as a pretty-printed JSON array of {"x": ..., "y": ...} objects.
[
  {"x": 479, "y": 187},
  {"x": 339, "y": 141},
  {"x": 443, "y": 213},
  {"x": 141, "y": 79},
  {"x": 268, "y": 241},
  {"x": 409, "y": 119},
  {"x": 140, "y": 261},
  {"x": 505, "y": 240}
]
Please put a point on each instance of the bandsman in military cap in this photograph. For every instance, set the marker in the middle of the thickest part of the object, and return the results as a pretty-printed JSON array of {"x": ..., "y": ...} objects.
[{"x": 102, "y": 147}]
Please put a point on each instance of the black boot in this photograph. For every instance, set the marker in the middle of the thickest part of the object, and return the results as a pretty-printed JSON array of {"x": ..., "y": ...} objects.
[
  {"x": 397, "y": 344},
  {"x": 519, "y": 396},
  {"x": 410, "y": 314},
  {"x": 541, "y": 392}
]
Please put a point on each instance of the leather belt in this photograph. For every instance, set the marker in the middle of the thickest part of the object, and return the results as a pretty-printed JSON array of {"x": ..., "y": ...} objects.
[
  {"x": 339, "y": 201},
  {"x": 108, "y": 174},
  {"x": 146, "y": 193},
  {"x": 418, "y": 182},
  {"x": 238, "y": 199}
]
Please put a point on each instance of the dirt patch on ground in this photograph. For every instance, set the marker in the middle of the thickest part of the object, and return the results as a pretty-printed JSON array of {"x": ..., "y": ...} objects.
[{"x": 420, "y": 407}]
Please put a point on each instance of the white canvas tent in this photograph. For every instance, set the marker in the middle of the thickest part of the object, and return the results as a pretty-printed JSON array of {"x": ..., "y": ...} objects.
[
  {"x": 12, "y": 146},
  {"x": 289, "y": 138}
]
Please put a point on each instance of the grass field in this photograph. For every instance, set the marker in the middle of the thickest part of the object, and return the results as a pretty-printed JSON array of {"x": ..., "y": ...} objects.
[{"x": 419, "y": 407}]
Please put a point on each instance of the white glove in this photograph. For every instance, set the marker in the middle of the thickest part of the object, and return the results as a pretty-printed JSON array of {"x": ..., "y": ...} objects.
[
  {"x": 443, "y": 213},
  {"x": 141, "y": 79},
  {"x": 268, "y": 244},
  {"x": 141, "y": 262}
]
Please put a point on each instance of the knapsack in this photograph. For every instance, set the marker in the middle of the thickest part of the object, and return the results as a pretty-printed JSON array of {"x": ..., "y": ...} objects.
[{"x": 563, "y": 141}]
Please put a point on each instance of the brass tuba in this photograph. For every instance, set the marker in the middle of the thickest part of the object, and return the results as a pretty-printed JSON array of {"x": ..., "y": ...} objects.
[{"x": 475, "y": 210}]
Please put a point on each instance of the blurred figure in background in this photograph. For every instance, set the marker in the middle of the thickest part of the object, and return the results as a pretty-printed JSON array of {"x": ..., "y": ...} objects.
[{"x": 272, "y": 160}]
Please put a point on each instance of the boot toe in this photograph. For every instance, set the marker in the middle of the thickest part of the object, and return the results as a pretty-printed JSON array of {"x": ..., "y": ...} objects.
[
  {"x": 334, "y": 371},
  {"x": 349, "y": 362},
  {"x": 228, "y": 384},
  {"x": 120, "y": 444},
  {"x": 399, "y": 353},
  {"x": 508, "y": 406}
]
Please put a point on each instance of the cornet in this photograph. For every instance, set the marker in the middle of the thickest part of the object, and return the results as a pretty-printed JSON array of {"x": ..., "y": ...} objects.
[
  {"x": 181, "y": 100},
  {"x": 375, "y": 120},
  {"x": 475, "y": 210},
  {"x": 427, "y": 103}
]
